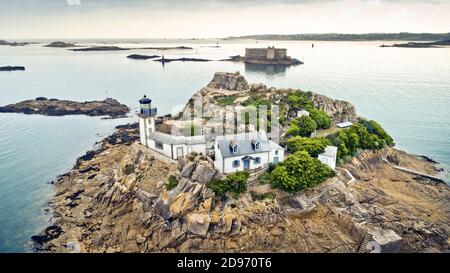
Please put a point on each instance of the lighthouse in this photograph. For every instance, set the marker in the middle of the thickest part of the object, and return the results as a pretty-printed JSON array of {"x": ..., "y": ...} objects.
[{"x": 146, "y": 119}]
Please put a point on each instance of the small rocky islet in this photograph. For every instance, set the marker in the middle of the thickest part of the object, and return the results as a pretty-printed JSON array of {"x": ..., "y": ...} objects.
[
  {"x": 12, "y": 68},
  {"x": 60, "y": 44},
  {"x": 116, "y": 199},
  {"x": 117, "y": 48},
  {"x": 54, "y": 107}
]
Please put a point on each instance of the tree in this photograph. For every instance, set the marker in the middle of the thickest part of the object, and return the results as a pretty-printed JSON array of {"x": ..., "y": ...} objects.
[
  {"x": 374, "y": 128},
  {"x": 300, "y": 99},
  {"x": 302, "y": 126},
  {"x": 365, "y": 135},
  {"x": 313, "y": 146},
  {"x": 322, "y": 119},
  {"x": 299, "y": 171}
]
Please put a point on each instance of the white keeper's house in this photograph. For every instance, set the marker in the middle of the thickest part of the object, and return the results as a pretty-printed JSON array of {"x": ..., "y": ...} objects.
[
  {"x": 246, "y": 152},
  {"x": 171, "y": 146}
]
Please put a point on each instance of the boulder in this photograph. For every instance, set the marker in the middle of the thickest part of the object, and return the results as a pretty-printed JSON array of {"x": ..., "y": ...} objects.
[
  {"x": 188, "y": 169},
  {"x": 204, "y": 172},
  {"x": 229, "y": 81},
  {"x": 198, "y": 223}
]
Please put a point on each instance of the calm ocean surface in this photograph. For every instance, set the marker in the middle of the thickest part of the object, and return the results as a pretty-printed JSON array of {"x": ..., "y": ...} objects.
[{"x": 406, "y": 90}]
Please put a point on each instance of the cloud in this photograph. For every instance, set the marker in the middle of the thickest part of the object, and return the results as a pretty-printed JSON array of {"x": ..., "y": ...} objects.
[{"x": 216, "y": 18}]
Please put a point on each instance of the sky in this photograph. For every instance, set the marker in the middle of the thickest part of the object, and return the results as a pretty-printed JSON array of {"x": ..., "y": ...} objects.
[{"x": 34, "y": 19}]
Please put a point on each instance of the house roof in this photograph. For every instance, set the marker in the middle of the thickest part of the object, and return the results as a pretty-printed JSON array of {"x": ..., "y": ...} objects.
[
  {"x": 330, "y": 151},
  {"x": 344, "y": 124},
  {"x": 246, "y": 143},
  {"x": 171, "y": 139}
]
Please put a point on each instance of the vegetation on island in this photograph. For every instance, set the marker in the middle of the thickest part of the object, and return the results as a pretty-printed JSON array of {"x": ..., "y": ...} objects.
[
  {"x": 223, "y": 101},
  {"x": 364, "y": 135},
  {"x": 313, "y": 146},
  {"x": 302, "y": 100},
  {"x": 299, "y": 171},
  {"x": 303, "y": 126},
  {"x": 172, "y": 183},
  {"x": 235, "y": 184}
]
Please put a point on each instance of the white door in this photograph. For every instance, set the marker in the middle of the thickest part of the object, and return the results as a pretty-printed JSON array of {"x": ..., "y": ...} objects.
[{"x": 180, "y": 152}]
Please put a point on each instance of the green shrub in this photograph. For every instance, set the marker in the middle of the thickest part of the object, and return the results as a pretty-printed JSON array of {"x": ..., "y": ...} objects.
[
  {"x": 300, "y": 99},
  {"x": 235, "y": 183},
  {"x": 374, "y": 128},
  {"x": 313, "y": 146},
  {"x": 300, "y": 171},
  {"x": 365, "y": 135},
  {"x": 172, "y": 182},
  {"x": 129, "y": 169},
  {"x": 302, "y": 126},
  {"x": 225, "y": 100},
  {"x": 322, "y": 119}
]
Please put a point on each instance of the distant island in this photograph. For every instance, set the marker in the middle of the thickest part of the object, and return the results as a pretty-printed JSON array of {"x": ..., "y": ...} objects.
[
  {"x": 437, "y": 44},
  {"x": 12, "y": 68},
  {"x": 54, "y": 107},
  {"x": 402, "y": 36},
  {"x": 166, "y": 60},
  {"x": 265, "y": 56},
  {"x": 116, "y": 48},
  {"x": 60, "y": 44},
  {"x": 142, "y": 57},
  {"x": 6, "y": 43}
]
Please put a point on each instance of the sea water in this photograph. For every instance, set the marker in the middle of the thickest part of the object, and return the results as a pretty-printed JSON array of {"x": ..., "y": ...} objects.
[{"x": 406, "y": 90}]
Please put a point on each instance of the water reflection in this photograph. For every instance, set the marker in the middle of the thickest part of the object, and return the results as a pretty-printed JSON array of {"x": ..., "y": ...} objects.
[{"x": 267, "y": 69}]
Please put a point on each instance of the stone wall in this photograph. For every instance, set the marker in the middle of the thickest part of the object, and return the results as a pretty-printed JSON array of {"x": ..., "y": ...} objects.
[{"x": 270, "y": 53}]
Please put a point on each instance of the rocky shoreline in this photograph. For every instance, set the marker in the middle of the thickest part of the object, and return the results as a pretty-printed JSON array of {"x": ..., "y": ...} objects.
[
  {"x": 437, "y": 44},
  {"x": 54, "y": 107},
  {"x": 117, "y": 199}
]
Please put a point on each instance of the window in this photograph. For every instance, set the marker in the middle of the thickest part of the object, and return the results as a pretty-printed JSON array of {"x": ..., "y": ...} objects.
[
  {"x": 235, "y": 149},
  {"x": 159, "y": 145},
  {"x": 276, "y": 152},
  {"x": 258, "y": 160},
  {"x": 236, "y": 164},
  {"x": 258, "y": 146}
]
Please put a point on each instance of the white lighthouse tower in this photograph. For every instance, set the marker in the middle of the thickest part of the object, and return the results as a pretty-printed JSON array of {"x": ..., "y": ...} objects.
[{"x": 146, "y": 119}]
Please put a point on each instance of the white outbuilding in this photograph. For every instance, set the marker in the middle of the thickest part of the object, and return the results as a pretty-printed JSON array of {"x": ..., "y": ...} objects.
[{"x": 329, "y": 156}]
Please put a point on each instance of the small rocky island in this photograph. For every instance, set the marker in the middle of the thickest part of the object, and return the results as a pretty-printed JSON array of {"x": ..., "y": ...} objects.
[
  {"x": 60, "y": 44},
  {"x": 266, "y": 56},
  {"x": 167, "y": 60},
  {"x": 142, "y": 57},
  {"x": 6, "y": 43},
  {"x": 12, "y": 68},
  {"x": 116, "y": 48},
  {"x": 437, "y": 44},
  {"x": 124, "y": 197},
  {"x": 54, "y": 107}
]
